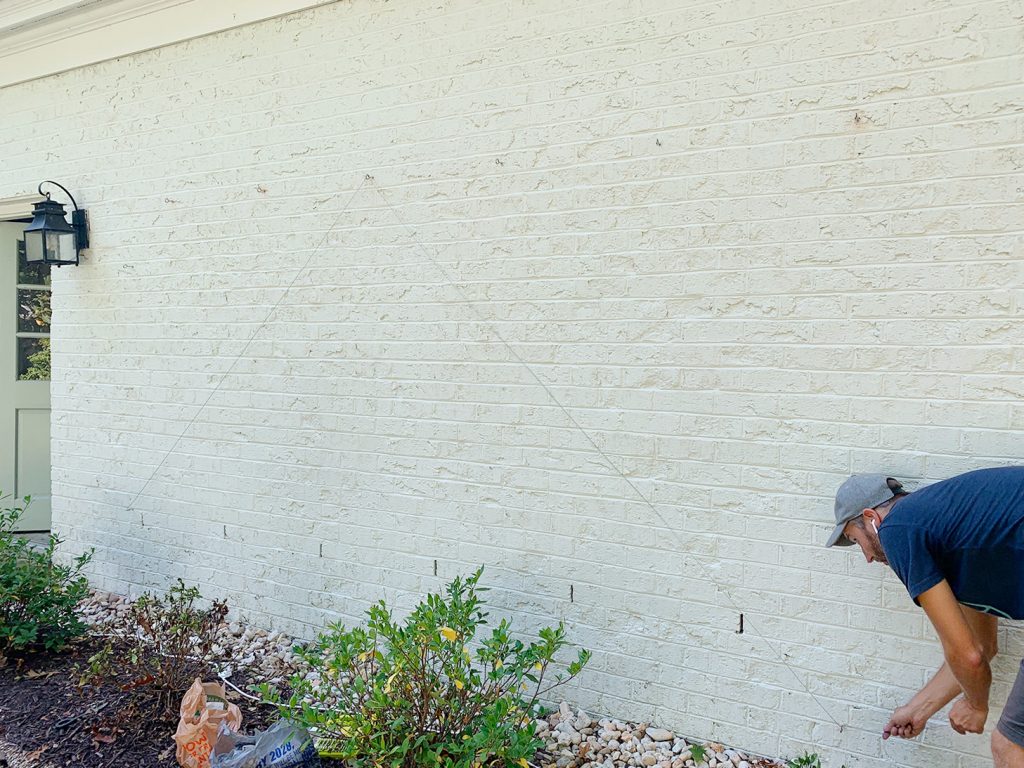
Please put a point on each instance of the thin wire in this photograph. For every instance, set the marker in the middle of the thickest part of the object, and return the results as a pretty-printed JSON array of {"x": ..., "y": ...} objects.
[
  {"x": 453, "y": 282},
  {"x": 224, "y": 679},
  {"x": 251, "y": 338}
]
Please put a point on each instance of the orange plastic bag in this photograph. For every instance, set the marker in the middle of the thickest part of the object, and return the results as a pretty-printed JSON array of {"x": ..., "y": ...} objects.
[{"x": 203, "y": 709}]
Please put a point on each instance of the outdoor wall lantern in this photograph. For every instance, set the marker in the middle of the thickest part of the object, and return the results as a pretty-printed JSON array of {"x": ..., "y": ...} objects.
[{"x": 50, "y": 239}]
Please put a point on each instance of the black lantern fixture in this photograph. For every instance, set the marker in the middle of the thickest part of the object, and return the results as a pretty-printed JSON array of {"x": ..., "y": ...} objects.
[{"x": 50, "y": 239}]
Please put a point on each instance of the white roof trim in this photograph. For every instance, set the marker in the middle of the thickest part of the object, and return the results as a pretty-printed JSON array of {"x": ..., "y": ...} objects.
[
  {"x": 44, "y": 37},
  {"x": 17, "y": 207}
]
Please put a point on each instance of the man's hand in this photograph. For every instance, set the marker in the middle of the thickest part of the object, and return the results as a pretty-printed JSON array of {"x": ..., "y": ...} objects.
[
  {"x": 966, "y": 718},
  {"x": 906, "y": 723}
]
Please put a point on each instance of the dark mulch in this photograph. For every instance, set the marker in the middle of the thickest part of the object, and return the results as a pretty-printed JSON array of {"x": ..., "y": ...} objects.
[{"x": 43, "y": 712}]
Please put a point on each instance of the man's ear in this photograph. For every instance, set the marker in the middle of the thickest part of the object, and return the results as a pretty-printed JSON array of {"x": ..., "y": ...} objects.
[{"x": 871, "y": 516}]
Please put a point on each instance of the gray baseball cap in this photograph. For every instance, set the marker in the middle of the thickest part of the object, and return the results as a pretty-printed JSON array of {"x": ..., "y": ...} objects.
[{"x": 855, "y": 495}]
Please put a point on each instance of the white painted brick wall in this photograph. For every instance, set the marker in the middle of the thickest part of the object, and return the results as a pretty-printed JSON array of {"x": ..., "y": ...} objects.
[{"x": 752, "y": 247}]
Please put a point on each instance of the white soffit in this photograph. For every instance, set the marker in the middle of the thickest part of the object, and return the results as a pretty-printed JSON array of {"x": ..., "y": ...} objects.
[{"x": 43, "y": 37}]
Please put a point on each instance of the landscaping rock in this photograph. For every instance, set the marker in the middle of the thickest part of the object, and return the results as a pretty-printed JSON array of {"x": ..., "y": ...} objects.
[{"x": 582, "y": 721}]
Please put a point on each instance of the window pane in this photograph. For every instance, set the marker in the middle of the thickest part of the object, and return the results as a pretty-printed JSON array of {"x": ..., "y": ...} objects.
[
  {"x": 34, "y": 359},
  {"x": 33, "y": 310},
  {"x": 31, "y": 274}
]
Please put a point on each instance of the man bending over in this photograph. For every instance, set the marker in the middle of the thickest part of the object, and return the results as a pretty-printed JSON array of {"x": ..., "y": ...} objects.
[{"x": 958, "y": 547}]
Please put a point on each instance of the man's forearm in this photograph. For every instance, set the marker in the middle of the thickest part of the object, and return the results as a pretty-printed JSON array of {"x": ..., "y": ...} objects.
[
  {"x": 974, "y": 676},
  {"x": 971, "y": 671},
  {"x": 968, "y": 640},
  {"x": 940, "y": 690},
  {"x": 943, "y": 687}
]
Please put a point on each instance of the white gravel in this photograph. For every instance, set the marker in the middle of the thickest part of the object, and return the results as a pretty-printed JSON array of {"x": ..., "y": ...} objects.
[
  {"x": 269, "y": 656},
  {"x": 576, "y": 740},
  {"x": 573, "y": 738}
]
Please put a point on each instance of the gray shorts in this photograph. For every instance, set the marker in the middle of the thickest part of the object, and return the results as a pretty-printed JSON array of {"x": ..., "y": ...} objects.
[{"x": 1011, "y": 724}]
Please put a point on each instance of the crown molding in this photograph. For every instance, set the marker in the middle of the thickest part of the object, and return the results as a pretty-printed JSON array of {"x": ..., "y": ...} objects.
[
  {"x": 44, "y": 37},
  {"x": 18, "y": 207}
]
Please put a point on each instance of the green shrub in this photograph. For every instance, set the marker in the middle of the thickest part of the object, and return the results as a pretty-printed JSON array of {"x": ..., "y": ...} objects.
[
  {"x": 427, "y": 692},
  {"x": 38, "y": 597},
  {"x": 807, "y": 760},
  {"x": 38, "y": 364},
  {"x": 169, "y": 648}
]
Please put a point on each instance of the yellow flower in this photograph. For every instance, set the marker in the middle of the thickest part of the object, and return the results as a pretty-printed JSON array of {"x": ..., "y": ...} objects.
[
  {"x": 449, "y": 633},
  {"x": 459, "y": 684},
  {"x": 538, "y": 667},
  {"x": 499, "y": 664},
  {"x": 522, "y": 762}
]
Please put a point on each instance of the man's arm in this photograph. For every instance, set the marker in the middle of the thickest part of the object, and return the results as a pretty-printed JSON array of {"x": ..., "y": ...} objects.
[
  {"x": 909, "y": 720},
  {"x": 963, "y": 651},
  {"x": 964, "y": 654}
]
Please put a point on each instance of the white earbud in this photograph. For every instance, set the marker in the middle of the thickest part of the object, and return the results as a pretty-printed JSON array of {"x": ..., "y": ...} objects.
[{"x": 875, "y": 527}]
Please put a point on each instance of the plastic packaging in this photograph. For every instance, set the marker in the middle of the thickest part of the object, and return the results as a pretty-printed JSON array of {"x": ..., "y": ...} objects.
[
  {"x": 203, "y": 710},
  {"x": 283, "y": 745}
]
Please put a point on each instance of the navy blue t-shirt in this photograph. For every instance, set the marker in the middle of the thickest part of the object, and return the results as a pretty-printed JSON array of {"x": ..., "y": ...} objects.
[{"x": 968, "y": 530}]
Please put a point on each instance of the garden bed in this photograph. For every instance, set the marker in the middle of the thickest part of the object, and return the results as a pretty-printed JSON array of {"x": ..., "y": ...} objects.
[{"x": 49, "y": 719}]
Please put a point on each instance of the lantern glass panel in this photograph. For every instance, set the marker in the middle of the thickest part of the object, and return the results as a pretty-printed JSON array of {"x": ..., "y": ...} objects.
[
  {"x": 64, "y": 246},
  {"x": 34, "y": 247}
]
